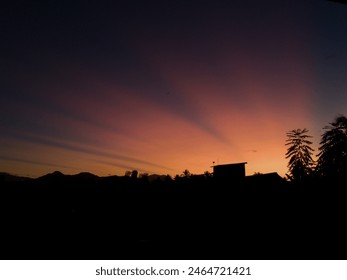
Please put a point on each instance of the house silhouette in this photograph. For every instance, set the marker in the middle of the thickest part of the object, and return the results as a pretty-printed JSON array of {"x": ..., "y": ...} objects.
[
  {"x": 229, "y": 172},
  {"x": 236, "y": 173}
]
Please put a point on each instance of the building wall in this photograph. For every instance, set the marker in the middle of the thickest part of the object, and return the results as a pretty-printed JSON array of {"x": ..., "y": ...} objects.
[{"x": 229, "y": 172}]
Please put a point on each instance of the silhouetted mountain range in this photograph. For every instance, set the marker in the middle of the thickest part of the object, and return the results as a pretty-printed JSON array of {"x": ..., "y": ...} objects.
[{"x": 57, "y": 175}]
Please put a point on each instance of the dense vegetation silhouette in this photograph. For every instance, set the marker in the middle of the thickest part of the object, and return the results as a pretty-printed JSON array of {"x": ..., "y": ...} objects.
[
  {"x": 332, "y": 162},
  {"x": 331, "y": 165},
  {"x": 300, "y": 153},
  {"x": 142, "y": 216}
]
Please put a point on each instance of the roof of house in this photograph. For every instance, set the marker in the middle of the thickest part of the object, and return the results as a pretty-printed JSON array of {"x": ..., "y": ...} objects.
[{"x": 229, "y": 164}]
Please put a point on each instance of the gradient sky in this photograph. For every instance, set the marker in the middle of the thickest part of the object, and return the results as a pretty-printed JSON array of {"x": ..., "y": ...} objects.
[{"x": 163, "y": 86}]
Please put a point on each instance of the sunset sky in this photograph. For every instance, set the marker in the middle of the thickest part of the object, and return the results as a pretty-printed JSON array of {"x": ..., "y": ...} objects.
[{"x": 163, "y": 86}]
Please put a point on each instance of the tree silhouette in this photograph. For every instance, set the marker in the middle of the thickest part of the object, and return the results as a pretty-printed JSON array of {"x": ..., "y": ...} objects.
[
  {"x": 332, "y": 161},
  {"x": 207, "y": 174},
  {"x": 134, "y": 174},
  {"x": 186, "y": 173},
  {"x": 300, "y": 153},
  {"x": 144, "y": 175}
]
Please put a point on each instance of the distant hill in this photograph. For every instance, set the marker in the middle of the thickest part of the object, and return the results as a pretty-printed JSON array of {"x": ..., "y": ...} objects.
[
  {"x": 6, "y": 177},
  {"x": 59, "y": 177},
  {"x": 86, "y": 175},
  {"x": 52, "y": 176}
]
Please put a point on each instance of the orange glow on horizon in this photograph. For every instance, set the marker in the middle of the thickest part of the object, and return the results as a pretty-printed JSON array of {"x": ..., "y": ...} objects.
[{"x": 153, "y": 138}]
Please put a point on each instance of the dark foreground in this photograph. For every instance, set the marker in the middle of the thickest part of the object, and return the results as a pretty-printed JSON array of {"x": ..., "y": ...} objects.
[{"x": 125, "y": 218}]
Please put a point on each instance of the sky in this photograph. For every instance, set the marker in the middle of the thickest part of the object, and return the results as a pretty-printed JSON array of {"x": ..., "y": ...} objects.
[{"x": 163, "y": 86}]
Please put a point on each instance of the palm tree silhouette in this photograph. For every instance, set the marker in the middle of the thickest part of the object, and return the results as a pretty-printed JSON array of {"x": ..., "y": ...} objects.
[
  {"x": 332, "y": 161},
  {"x": 300, "y": 153}
]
